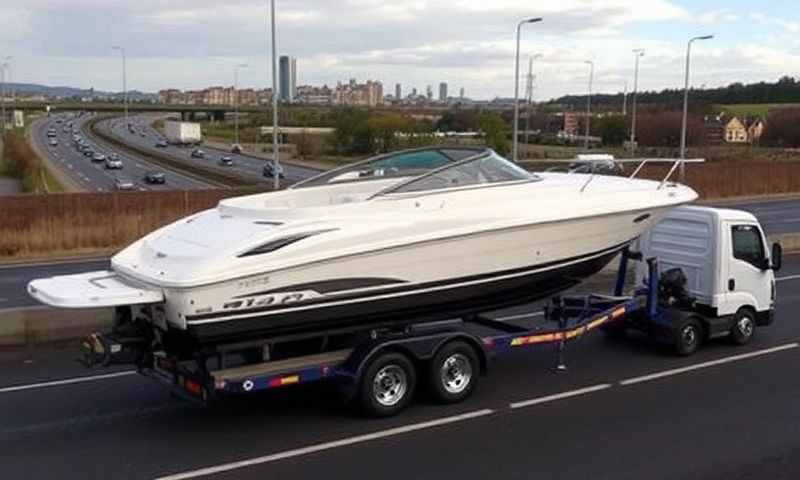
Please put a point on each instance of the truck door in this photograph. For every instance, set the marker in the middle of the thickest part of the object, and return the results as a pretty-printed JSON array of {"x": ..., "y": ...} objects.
[{"x": 746, "y": 280}]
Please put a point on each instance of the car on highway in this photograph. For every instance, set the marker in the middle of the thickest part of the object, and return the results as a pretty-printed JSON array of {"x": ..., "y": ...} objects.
[
  {"x": 122, "y": 184},
  {"x": 236, "y": 148},
  {"x": 226, "y": 161},
  {"x": 51, "y": 133},
  {"x": 53, "y": 142},
  {"x": 197, "y": 153},
  {"x": 161, "y": 144},
  {"x": 155, "y": 178},
  {"x": 98, "y": 157},
  {"x": 88, "y": 152},
  {"x": 270, "y": 169},
  {"x": 113, "y": 163},
  {"x": 143, "y": 134}
]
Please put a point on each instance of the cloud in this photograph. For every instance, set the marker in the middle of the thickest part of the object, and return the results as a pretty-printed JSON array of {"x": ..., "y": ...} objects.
[{"x": 470, "y": 43}]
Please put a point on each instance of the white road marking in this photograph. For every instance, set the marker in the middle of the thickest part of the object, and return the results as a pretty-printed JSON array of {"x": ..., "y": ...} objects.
[
  {"x": 560, "y": 396},
  {"x": 68, "y": 381},
  {"x": 299, "y": 452},
  {"x": 713, "y": 363},
  {"x": 786, "y": 279}
]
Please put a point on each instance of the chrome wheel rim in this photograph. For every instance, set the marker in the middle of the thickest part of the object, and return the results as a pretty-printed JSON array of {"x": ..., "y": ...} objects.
[
  {"x": 456, "y": 373},
  {"x": 390, "y": 385},
  {"x": 689, "y": 335},
  {"x": 745, "y": 326}
]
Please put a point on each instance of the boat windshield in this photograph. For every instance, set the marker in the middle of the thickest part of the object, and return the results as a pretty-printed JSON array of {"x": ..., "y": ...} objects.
[
  {"x": 484, "y": 170},
  {"x": 410, "y": 163}
]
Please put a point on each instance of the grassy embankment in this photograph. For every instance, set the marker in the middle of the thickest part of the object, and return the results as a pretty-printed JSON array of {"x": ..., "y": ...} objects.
[{"x": 20, "y": 161}]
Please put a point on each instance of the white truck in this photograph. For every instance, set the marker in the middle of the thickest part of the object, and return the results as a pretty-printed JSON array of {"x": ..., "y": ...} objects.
[
  {"x": 182, "y": 133},
  {"x": 727, "y": 272}
]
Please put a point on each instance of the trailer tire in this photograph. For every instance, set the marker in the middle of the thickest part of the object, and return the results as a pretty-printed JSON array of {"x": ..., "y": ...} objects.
[
  {"x": 453, "y": 372},
  {"x": 387, "y": 385},
  {"x": 744, "y": 326},
  {"x": 688, "y": 335}
]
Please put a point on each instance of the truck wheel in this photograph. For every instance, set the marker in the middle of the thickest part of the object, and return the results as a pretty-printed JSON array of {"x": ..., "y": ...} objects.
[
  {"x": 744, "y": 326},
  {"x": 688, "y": 335},
  {"x": 387, "y": 385},
  {"x": 453, "y": 372}
]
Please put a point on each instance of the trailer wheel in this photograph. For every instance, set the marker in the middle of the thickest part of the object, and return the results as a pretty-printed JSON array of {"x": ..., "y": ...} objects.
[
  {"x": 453, "y": 372},
  {"x": 387, "y": 385},
  {"x": 744, "y": 326},
  {"x": 688, "y": 335}
]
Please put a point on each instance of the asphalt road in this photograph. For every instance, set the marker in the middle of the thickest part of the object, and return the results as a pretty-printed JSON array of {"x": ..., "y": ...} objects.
[
  {"x": 776, "y": 216},
  {"x": 94, "y": 176},
  {"x": 607, "y": 417},
  {"x": 145, "y": 136}
]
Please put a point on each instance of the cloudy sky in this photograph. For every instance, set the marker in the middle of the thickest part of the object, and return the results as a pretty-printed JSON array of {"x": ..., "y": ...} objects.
[{"x": 467, "y": 43}]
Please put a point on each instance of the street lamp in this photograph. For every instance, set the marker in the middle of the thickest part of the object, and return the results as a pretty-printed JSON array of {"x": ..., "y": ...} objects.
[
  {"x": 124, "y": 82},
  {"x": 639, "y": 52},
  {"x": 3, "y": 66},
  {"x": 589, "y": 103},
  {"x": 516, "y": 87},
  {"x": 275, "y": 152},
  {"x": 686, "y": 101},
  {"x": 529, "y": 94},
  {"x": 236, "y": 100}
]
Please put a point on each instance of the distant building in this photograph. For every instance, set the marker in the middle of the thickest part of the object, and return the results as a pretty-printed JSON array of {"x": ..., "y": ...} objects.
[
  {"x": 461, "y": 94},
  {"x": 429, "y": 92},
  {"x": 398, "y": 92},
  {"x": 571, "y": 123},
  {"x": 288, "y": 78},
  {"x": 443, "y": 92},
  {"x": 735, "y": 131},
  {"x": 367, "y": 94}
]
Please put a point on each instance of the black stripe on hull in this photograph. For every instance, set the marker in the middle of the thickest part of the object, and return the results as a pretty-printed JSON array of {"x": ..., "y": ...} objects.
[{"x": 420, "y": 307}]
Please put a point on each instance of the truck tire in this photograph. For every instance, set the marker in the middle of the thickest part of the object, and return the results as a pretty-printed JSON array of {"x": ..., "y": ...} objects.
[
  {"x": 744, "y": 326},
  {"x": 688, "y": 335},
  {"x": 387, "y": 385},
  {"x": 453, "y": 372}
]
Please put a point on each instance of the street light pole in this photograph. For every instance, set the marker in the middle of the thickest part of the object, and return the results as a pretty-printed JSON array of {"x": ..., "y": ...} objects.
[
  {"x": 515, "y": 146},
  {"x": 124, "y": 83},
  {"x": 236, "y": 101},
  {"x": 275, "y": 152},
  {"x": 589, "y": 104},
  {"x": 686, "y": 102},
  {"x": 639, "y": 52},
  {"x": 3, "y": 66}
]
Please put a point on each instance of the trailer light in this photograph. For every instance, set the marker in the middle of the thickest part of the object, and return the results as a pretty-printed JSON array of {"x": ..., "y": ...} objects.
[
  {"x": 618, "y": 313},
  {"x": 193, "y": 387},
  {"x": 219, "y": 384}
]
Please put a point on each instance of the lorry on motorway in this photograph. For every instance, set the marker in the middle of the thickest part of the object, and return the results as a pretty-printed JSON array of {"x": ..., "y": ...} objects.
[
  {"x": 701, "y": 273},
  {"x": 182, "y": 133}
]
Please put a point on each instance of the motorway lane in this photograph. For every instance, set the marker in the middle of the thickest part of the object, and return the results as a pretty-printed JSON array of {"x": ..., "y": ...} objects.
[
  {"x": 14, "y": 278},
  {"x": 722, "y": 420},
  {"x": 94, "y": 176},
  {"x": 244, "y": 165},
  {"x": 776, "y": 215}
]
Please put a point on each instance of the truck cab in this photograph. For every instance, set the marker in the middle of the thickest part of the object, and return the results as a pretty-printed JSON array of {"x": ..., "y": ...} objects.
[{"x": 730, "y": 272}]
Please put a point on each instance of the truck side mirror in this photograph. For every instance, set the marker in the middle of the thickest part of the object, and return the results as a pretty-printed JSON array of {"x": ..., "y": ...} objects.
[{"x": 777, "y": 256}]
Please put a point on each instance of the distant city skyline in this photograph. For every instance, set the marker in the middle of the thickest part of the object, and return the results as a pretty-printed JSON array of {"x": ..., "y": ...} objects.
[{"x": 190, "y": 45}]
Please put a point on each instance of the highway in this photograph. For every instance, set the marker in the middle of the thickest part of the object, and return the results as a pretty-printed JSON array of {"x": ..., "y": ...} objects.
[
  {"x": 776, "y": 215},
  {"x": 145, "y": 136},
  {"x": 92, "y": 176},
  {"x": 624, "y": 410}
]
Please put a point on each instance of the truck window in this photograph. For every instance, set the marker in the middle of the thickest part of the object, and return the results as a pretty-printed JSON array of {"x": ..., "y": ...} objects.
[{"x": 747, "y": 244}]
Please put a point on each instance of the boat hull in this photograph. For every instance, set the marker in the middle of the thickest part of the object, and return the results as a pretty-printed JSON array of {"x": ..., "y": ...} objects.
[{"x": 404, "y": 305}]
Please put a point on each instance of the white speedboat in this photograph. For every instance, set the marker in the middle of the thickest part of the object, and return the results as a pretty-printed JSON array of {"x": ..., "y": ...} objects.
[{"x": 415, "y": 235}]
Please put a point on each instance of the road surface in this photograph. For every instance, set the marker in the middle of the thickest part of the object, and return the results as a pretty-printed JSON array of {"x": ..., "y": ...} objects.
[
  {"x": 92, "y": 176},
  {"x": 623, "y": 410},
  {"x": 145, "y": 136}
]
